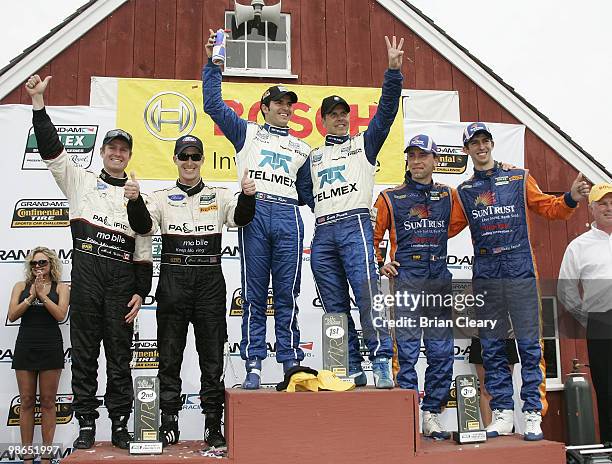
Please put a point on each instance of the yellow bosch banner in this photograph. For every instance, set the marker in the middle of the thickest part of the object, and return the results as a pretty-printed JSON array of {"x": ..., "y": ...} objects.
[{"x": 156, "y": 112}]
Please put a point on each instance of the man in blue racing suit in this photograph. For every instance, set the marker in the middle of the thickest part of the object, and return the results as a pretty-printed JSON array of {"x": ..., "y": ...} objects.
[
  {"x": 343, "y": 245},
  {"x": 272, "y": 243}
]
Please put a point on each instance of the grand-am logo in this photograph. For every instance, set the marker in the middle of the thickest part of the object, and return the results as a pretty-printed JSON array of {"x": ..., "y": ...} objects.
[
  {"x": 145, "y": 354},
  {"x": 63, "y": 410},
  {"x": 236, "y": 306},
  {"x": 276, "y": 160},
  {"x": 459, "y": 262},
  {"x": 40, "y": 213},
  {"x": 187, "y": 228},
  {"x": 13, "y": 256},
  {"x": 78, "y": 141},
  {"x": 451, "y": 160},
  {"x": 331, "y": 175}
]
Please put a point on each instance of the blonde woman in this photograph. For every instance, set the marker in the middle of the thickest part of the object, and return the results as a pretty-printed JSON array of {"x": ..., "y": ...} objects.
[{"x": 41, "y": 301}]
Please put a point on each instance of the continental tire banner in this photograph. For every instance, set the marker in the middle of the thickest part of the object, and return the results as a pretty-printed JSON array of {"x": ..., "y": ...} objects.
[{"x": 156, "y": 112}]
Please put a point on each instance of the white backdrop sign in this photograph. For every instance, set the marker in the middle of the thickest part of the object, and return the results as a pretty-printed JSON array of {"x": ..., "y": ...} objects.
[{"x": 29, "y": 186}]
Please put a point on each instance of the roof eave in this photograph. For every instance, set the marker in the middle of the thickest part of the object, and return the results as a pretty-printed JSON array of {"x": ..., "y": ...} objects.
[
  {"x": 501, "y": 92},
  {"x": 51, "y": 45}
]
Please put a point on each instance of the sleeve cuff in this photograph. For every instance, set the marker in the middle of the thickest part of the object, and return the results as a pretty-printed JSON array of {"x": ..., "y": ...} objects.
[
  {"x": 40, "y": 115},
  {"x": 569, "y": 201}
]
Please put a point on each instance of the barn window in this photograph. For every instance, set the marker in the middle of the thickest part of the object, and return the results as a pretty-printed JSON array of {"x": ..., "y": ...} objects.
[
  {"x": 257, "y": 48},
  {"x": 550, "y": 335}
]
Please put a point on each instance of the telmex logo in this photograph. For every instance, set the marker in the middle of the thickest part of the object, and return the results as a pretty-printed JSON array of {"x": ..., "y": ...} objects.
[
  {"x": 79, "y": 142},
  {"x": 63, "y": 410},
  {"x": 169, "y": 115},
  {"x": 40, "y": 213}
]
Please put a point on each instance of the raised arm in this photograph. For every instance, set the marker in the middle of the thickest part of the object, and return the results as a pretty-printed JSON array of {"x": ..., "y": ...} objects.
[
  {"x": 233, "y": 127},
  {"x": 378, "y": 129},
  {"x": 66, "y": 174}
]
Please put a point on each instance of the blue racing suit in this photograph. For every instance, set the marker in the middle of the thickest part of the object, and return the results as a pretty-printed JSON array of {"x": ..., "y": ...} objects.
[
  {"x": 495, "y": 203},
  {"x": 273, "y": 241},
  {"x": 418, "y": 217},
  {"x": 343, "y": 245}
]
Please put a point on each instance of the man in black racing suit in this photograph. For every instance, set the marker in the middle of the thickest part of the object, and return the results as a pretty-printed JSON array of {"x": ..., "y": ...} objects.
[
  {"x": 190, "y": 217},
  {"x": 111, "y": 272}
]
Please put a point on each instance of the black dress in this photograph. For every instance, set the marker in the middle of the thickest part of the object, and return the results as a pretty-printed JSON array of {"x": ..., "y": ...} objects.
[{"x": 39, "y": 344}]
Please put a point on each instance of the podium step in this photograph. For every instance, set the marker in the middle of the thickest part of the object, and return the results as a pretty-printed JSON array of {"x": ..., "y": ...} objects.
[
  {"x": 500, "y": 450},
  {"x": 361, "y": 426},
  {"x": 105, "y": 452}
]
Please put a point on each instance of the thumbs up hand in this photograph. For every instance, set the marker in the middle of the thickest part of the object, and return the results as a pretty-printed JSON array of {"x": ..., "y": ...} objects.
[
  {"x": 580, "y": 188},
  {"x": 131, "y": 189},
  {"x": 247, "y": 184}
]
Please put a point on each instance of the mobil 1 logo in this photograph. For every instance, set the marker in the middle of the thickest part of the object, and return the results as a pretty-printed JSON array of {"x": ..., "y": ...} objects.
[{"x": 79, "y": 142}]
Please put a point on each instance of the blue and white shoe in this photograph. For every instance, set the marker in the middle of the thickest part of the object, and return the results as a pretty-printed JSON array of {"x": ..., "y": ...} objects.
[
  {"x": 357, "y": 375},
  {"x": 381, "y": 368},
  {"x": 533, "y": 426},
  {"x": 502, "y": 423},
  {"x": 289, "y": 364},
  {"x": 432, "y": 426},
  {"x": 253, "y": 376}
]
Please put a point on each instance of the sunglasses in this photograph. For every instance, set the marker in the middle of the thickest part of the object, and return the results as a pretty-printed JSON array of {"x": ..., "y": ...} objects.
[
  {"x": 39, "y": 263},
  {"x": 186, "y": 156}
]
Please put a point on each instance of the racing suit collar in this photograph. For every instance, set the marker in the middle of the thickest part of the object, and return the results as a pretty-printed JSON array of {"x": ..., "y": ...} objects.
[
  {"x": 276, "y": 130},
  {"x": 411, "y": 183},
  {"x": 489, "y": 172},
  {"x": 191, "y": 190},
  {"x": 335, "y": 139},
  {"x": 115, "y": 181}
]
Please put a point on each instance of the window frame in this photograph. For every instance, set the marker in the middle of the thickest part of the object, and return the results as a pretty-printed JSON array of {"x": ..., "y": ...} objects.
[
  {"x": 554, "y": 383},
  {"x": 263, "y": 72}
]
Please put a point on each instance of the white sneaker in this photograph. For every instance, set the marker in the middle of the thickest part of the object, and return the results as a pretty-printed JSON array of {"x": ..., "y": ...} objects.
[
  {"x": 533, "y": 428},
  {"x": 432, "y": 426},
  {"x": 502, "y": 423}
]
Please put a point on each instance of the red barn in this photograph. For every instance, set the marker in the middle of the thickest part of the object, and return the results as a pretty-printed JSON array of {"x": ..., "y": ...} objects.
[{"x": 331, "y": 42}]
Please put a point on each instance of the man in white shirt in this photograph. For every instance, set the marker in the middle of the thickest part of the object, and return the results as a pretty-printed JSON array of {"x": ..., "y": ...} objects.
[{"x": 587, "y": 266}]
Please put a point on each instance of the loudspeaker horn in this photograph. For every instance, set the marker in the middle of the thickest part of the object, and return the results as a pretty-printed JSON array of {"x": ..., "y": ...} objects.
[
  {"x": 244, "y": 13},
  {"x": 271, "y": 13}
]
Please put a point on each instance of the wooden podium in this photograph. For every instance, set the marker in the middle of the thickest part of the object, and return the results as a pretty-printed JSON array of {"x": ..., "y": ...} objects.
[{"x": 361, "y": 426}]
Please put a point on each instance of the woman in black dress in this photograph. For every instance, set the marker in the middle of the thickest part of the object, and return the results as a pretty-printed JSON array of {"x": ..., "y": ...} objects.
[{"x": 41, "y": 301}]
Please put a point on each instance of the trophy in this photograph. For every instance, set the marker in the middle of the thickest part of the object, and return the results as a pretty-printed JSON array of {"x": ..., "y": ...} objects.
[
  {"x": 146, "y": 416},
  {"x": 335, "y": 343},
  {"x": 469, "y": 423}
]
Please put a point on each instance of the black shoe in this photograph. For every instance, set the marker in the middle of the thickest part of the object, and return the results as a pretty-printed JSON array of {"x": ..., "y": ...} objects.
[
  {"x": 87, "y": 433},
  {"x": 169, "y": 432},
  {"x": 120, "y": 437},
  {"x": 212, "y": 433}
]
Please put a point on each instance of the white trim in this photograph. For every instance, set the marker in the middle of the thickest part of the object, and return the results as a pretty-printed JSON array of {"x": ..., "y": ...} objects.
[
  {"x": 57, "y": 43},
  {"x": 494, "y": 89},
  {"x": 264, "y": 72},
  {"x": 256, "y": 72}
]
